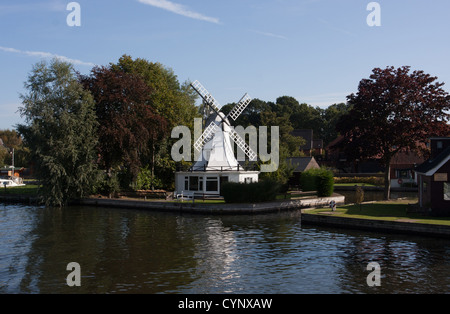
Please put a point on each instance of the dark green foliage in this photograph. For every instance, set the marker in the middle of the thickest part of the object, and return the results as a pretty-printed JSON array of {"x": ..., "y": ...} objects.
[
  {"x": 60, "y": 132},
  {"x": 107, "y": 184},
  {"x": 256, "y": 192},
  {"x": 146, "y": 180},
  {"x": 320, "y": 180}
]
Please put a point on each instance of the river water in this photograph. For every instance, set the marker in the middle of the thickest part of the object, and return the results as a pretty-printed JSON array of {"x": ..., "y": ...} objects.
[{"x": 136, "y": 251}]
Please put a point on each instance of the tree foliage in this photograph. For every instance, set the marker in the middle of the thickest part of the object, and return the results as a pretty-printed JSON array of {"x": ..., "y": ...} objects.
[
  {"x": 171, "y": 100},
  {"x": 12, "y": 142},
  {"x": 393, "y": 110},
  {"x": 60, "y": 130},
  {"x": 128, "y": 123}
]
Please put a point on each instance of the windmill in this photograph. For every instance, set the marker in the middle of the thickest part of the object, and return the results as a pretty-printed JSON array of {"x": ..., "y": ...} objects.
[
  {"x": 215, "y": 142},
  {"x": 216, "y": 164}
]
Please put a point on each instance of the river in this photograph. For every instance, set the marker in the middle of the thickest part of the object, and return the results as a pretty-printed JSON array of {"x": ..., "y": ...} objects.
[{"x": 136, "y": 251}]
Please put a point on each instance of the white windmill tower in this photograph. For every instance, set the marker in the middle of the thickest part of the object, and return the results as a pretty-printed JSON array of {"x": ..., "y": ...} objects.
[{"x": 216, "y": 163}]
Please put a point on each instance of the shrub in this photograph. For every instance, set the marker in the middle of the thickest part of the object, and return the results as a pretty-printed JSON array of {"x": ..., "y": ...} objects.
[
  {"x": 320, "y": 180},
  {"x": 146, "y": 181},
  {"x": 106, "y": 185},
  {"x": 255, "y": 192}
]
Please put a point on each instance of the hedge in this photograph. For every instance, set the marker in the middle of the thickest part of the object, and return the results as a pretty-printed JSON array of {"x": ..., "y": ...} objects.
[
  {"x": 367, "y": 180},
  {"x": 255, "y": 192},
  {"x": 320, "y": 180}
]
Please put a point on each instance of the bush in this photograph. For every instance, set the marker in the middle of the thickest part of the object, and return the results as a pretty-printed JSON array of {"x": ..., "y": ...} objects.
[
  {"x": 255, "y": 192},
  {"x": 320, "y": 180},
  {"x": 146, "y": 181},
  {"x": 107, "y": 185}
]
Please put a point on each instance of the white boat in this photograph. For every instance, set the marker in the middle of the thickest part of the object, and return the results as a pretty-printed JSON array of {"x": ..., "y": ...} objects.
[{"x": 11, "y": 181}]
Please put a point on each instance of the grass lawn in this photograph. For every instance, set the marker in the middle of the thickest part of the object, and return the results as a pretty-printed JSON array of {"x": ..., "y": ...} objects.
[
  {"x": 383, "y": 210},
  {"x": 29, "y": 189}
]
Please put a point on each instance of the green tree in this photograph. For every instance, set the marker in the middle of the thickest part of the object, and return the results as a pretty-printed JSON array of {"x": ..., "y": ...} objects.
[
  {"x": 330, "y": 117},
  {"x": 12, "y": 142},
  {"x": 289, "y": 147},
  {"x": 60, "y": 130},
  {"x": 173, "y": 101}
]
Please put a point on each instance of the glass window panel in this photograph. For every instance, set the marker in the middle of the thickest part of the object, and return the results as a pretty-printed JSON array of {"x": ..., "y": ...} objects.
[
  {"x": 193, "y": 183},
  {"x": 446, "y": 191},
  {"x": 212, "y": 184}
]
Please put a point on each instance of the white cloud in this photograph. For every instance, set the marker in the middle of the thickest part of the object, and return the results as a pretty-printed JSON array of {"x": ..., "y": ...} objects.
[
  {"x": 179, "y": 9},
  {"x": 270, "y": 34},
  {"x": 41, "y": 54}
]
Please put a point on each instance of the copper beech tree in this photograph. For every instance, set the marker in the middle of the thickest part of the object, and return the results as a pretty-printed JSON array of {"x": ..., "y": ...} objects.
[
  {"x": 394, "y": 109},
  {"x": 128, "y": 123}
]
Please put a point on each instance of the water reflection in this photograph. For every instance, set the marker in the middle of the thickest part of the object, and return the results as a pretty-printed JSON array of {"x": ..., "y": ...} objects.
[{"x": 132, "y": 251}]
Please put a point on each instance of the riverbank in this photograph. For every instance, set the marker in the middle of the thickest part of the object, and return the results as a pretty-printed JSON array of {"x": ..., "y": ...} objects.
[
  {"x": 214, "y": 208},
  {"x": 19, "y": 199},
  {"x": 384, "y": 216},
  {"x": 315, "y": 211}
]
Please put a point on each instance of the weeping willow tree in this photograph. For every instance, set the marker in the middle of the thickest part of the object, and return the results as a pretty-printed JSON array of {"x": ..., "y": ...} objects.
[{"x": 60, "y": 130}]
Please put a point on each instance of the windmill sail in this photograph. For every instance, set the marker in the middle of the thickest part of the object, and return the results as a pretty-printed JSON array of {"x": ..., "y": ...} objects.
[
  {"x": 206, "y": 136},
  {"x": 218, "y": 124},
  {"x": 206, "y": 96},
  {"x": 242, "y": 145},
  {"x": 242, "y": 104}
]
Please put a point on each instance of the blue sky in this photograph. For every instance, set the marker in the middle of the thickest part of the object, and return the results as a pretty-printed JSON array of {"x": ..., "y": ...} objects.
[{"x": 314, "y": 50}]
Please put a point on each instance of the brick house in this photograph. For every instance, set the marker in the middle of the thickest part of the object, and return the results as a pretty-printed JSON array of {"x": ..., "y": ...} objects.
[
  {"x": 402, "y": 164},
  {"x": 434, "y": 178}
]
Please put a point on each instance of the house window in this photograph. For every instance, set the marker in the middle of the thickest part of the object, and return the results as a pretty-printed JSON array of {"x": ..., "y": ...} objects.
[
  {"x": 212, "y": 184},
  {"x": 404, "y": 174},
  {"x": 193, "y": 183},
  {"x": 186, "y": 183},
  {"x": 446, "y": 191},
  {"x": 439, "y": 145}
]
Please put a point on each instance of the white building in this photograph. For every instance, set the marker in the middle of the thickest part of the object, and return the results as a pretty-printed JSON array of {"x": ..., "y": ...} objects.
[{"x": 216, "y": 163}]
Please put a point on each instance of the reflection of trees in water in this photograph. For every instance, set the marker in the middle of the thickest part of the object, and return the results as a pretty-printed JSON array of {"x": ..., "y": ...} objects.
[
  {"x": 118, "y": 251},
  {"x": 16, "y": 224},
  {"x": 146, "y": 252},
  {"x": 406, "y": 265}
]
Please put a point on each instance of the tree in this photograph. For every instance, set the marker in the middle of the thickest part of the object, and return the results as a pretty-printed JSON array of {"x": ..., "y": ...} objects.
[
  {"x": 60, "y": 130},
  {"x": 171, "y": 100},
  {"x": 330, "y": 117},
  {"x": 289, "y": 147},
  {"x": 11, "y": 142},
  {"x": 393, "y": 110},
  {"x": 128, "y": 122}
]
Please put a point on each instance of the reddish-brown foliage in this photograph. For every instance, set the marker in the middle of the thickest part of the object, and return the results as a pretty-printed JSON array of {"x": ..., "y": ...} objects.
[{"x": 128, "y": 123}]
